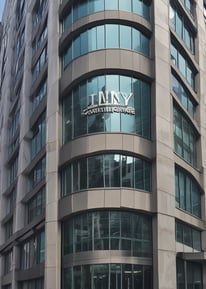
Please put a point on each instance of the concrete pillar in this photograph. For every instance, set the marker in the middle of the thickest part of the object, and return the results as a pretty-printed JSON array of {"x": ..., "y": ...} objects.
[
  {"x": 52, "y": 228},
  {"x": 165, "y": 257}
]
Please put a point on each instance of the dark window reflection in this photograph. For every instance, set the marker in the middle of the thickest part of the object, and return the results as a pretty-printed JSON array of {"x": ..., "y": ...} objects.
[
  {"x": 108, "y": 170},
  {"x": 108, "y": 230},
  {"x": 109, "y": 276},
  {"x": 108, "y": 103}
]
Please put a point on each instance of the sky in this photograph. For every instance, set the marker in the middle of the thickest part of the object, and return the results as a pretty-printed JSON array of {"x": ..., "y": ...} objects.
[{"x": 1, "y": 7}]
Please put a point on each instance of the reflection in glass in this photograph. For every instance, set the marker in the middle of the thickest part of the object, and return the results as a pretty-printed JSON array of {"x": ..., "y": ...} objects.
[
  {"x": 108, "y": 230},
  {"x": 106, "y": 36},
  {"x": 81, "y": 8},
  {"x": 109, "y": 276},
  {"x": 114, "y": 170},
  {"x": 107, "y": 103}
]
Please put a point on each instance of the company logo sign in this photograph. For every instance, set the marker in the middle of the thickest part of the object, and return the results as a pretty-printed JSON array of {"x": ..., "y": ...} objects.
[{"x": 109, "y": 101}]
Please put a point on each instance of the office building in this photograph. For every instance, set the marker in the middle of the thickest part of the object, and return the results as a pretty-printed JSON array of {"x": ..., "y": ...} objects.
[{"x": 103, "y": 144}]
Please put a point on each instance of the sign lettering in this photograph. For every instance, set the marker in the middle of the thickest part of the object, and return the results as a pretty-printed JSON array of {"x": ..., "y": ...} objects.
[{"x": 109, "y": 101}]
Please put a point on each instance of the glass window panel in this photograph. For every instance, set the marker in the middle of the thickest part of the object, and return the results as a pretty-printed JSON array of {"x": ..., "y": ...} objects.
[
  {"x": 115, "y": 276},
  {"x": 196, "y": 201},
  {"x": 197, "y": 276},
  {"x": 96, "y": 121},
  {"x": 111, "y": 5},
  {"x": 76, "y": 47},
  {"x": 182, "y": 190},
  {"x": 187, "y": 38},
  {"x": 68, "y": 56},
  {"x": 127, "y": 171},
  {"x": 75, "y": 11},
  {"x": 95, "y": 167},
  {"x": 104, "y": 216},
  {"x": 101, "y": 35},
  {"x": 100, "y": 276},
  {"x": 78, "y": 234},
  {"x": 145, "y": 109},
  {"x": 42, "y": 247},
  {"x": 125, "y": 37},
  {"x": 139, "y": 179},
  {"x": 67, "y": 237},
  {"x": 180, "y": 274},
  {"x": 87, "y": 233},
  {"x": 112, "y": 36},
  {"x": 136, "y": 40},
  {"x": 67, "y": 21},
  {"x": 148, "y": 282},
  {"x": 67, "y": 118},
  {"x": 179, "y": 25},
  {"x": 174, "y": 55},
  {"x": 83, "y": 174},
  {"x": 128, "y": 123},
  {"x": 147, "y": 176},
  {"x": 77, "y": 277},
  {"x": 84, "y": 42},
  {"x": 182, "y": 64},
  {"x": 115, "y": 231},
  {"x": 127, "y": 276},
  {"x": 101, "y": 231},
  {"x": 80, "y": 103},
  {"x": 86, "y": 277},
  {"x": 187, "y": 235},
  {"x": 172, "y": 17},
  {"x": 75, "y": 176},
  {"x": 82, "y": 8},
  {"x": 190, "y": 76},
  {"x": 190, "y": 275},
  {"x": 126, "y": 224},
  {"x": 125, "y": 5},
  {"x": 137, "y": 104},
  {"x": 138, "y": 277},
  {"x": 66, "y": 181},
  {"x": 92, "y": 38},
  {"x": 196, "y": 240},
  {"x": 179, "y": 232},
  {"x": 112, "y": 170},
  {"x": 191, "y": 108},
  {"x": 188, "y": 195},
  {"x": 146, "y": 8},
  {"x": 145, "y": 45},
  {"x": 177, "y": 191},
  {"x": 98, "y": 5}
]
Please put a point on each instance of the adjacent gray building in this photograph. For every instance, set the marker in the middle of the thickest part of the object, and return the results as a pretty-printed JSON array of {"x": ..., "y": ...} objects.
[{"x": 103, "y": 144}]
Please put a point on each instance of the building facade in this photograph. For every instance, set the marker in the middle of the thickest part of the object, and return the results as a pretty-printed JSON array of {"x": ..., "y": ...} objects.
[{"x": 102, "y": 144}]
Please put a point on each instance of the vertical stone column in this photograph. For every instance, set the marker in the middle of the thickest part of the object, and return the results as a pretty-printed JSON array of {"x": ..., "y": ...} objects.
[
  {"x": 201, "y": 57},
  {"x": 52, "y": 228},
  {"x": 164, "y": 193}
]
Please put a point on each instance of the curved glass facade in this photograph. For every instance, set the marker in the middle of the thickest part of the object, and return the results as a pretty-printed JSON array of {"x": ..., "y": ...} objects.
[
  {"x": 107, "y": 103},
  {"x": 180, "y": 24},
  {"x": 185, "y": 138},
  {"x": 81, "y": 8},
  {"x": 107, "y": 36},
  {"x": 108, "y": 230},
  {"x": 108, "y": 276},
  {"x": 114, "y": 170},
  {"x": 183, "y": 95},
  {"x": 188, "y": 194},
  {"x": 189, "y": 236},
  {"x": 189, "y": 274},
  {"x": 183, "y": 65}
]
